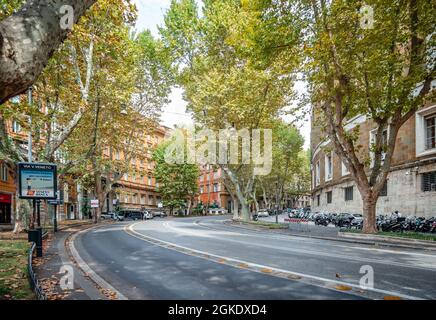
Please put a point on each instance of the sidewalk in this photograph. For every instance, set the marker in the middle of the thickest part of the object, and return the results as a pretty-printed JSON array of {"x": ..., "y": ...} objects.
[
  {"x": 47, "y": 270},
  {"x": 334, "y": 234}
]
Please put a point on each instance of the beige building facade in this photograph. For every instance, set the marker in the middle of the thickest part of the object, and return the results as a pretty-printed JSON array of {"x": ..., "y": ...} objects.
[{"x": 411, "y": 184}]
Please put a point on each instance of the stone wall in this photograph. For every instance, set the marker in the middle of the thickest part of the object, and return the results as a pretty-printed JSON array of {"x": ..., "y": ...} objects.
[{"x": 404, "y": 195}]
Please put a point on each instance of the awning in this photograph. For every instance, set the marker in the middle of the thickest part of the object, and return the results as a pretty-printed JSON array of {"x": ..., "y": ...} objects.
[{"x": 5, "y": 198}]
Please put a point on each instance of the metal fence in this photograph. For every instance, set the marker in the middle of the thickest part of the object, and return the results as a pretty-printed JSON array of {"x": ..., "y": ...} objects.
[{"x": 34, "y": 283}]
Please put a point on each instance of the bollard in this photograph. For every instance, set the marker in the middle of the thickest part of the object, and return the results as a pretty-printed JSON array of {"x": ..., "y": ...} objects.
[
  {"x": 39, "y": 242},
  {"x": 36, "y": 237}
]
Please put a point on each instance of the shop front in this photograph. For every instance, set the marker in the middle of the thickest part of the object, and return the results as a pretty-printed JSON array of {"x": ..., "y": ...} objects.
[{"x": 5, "y": 208}]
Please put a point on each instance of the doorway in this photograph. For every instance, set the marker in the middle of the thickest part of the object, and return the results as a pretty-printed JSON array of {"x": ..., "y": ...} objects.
[{"x": 5, "y": 213}]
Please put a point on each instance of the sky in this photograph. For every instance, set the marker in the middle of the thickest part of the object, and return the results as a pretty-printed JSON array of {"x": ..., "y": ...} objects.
[{"x": 150, "y": 16}]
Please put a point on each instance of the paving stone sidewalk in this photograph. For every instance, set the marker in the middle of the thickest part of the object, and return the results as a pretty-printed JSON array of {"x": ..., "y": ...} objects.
[{"x": 51, "y": 271}]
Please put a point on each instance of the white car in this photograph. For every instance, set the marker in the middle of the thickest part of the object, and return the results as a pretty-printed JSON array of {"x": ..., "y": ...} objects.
[
  {"x": 262, "y": 214},
  {"x": 218, "y": 211},
  {"x": 148, "y": 215}
]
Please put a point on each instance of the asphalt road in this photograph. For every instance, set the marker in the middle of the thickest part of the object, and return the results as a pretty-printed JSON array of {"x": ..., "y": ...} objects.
[{"x": 123, "y": 255}]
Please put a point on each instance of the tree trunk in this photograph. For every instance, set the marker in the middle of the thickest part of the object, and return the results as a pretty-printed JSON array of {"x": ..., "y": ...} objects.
[
  {"x": 235, "y": 208},
  {"x": 28, "y": 39},
  {"x": 369, "y": 215}
]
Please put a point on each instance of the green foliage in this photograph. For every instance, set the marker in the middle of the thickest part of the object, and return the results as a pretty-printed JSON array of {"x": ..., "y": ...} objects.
[
  {"x": 177, "y": 182},
  {"x": 7, "y": 7}
]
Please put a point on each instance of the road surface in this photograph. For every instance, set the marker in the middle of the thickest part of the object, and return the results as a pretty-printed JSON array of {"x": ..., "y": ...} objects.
[{"x": 205, "y": 258}]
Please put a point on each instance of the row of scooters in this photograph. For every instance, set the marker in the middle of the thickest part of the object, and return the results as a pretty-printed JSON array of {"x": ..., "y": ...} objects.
[
  {"x": 393, "y": 222},
  {"x": 396, "y": 223}
]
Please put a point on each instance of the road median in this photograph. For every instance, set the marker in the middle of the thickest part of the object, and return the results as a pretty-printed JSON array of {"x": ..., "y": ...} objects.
[{"x": 391, "y": 240}]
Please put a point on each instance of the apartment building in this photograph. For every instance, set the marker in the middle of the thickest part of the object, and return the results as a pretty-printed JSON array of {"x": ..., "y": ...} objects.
[
  {"x": 137, "y": 189},
  {"x": 212, "y": 191},
  {"x": 411, "y": 184}
]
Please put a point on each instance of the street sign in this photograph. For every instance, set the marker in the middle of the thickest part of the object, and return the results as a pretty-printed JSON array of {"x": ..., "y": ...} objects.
[
  {"x": 15, "y": 100},
  {"x": 37, "y": 180},
  {"x": 94, "y": 203}
]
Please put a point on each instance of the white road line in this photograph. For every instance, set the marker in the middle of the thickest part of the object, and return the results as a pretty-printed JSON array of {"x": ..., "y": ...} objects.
[
  {"x": 87, "y": 269},
  {"x": 423, "y": 266},
  {"x": 319, "y": 280},
  {"x": 284, "y": 237}
]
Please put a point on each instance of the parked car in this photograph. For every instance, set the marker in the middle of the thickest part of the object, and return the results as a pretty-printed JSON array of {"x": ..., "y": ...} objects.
[
  {"x": 217, "y": 211},
  {"x": 118, "y": 217},
  {"x": 131, "y": 215},
  {"x": 147, "y": 215},
  {"x": 262, "y": 213},
  {"x": 107, "y": 215},
  {"x": 161, "y": 214},
  {"x": 293, "y": 213}
]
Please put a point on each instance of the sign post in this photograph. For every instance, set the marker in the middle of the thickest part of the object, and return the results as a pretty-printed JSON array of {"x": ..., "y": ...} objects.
[
  {"x": 94, "y": 205},
  {"x": 37, "y": 181}
]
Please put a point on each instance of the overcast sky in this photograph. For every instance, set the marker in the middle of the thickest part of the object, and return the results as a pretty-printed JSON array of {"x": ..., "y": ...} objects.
[{"x": 150, "y": 15}]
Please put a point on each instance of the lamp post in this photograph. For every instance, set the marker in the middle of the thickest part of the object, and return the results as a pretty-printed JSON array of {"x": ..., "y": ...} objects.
[{"x": 29, "y": 138}]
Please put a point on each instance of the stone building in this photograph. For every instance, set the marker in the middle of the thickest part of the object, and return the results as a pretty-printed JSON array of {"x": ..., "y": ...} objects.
[
  {"x": 138, "y": 189},
  {"x": 7, "y": 197},
  {"x": 411, "y": 184},
  {"x": 212, "y": 190}
]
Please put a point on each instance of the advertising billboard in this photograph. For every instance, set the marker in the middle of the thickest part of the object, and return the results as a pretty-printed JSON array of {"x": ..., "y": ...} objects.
[{"x": 37, "y": 180}]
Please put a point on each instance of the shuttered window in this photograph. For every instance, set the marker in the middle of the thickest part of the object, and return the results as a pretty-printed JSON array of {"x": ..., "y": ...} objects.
[
  {"x": 348, "y": 193},
  {"x": 429, "y": 181},
  {"x": 3, "y": 173},
  {"x": 329, "y": 197},
  {"x": 430, "y": 132}
]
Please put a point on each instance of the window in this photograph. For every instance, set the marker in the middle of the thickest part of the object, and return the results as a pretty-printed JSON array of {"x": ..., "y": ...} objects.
[
  {"x": 16, "y": 128},
  {"x": 317, "y": 174},
  {"x": 425, "y": 135},
  {"x": 149, "y": 181},
  {"x": 384, "y": 191},
  {"x": 429, "y": 181},
  {"x": 126, "y": 176},
  {"x": 345, "y": 170},
  {"x": 3, "y": 173},
  {"x": 201, "y": 189},
  {"x": 372, "y": 142},
  {"x": 318, "y": 200},
  {"x": 349, "y": 193},
  {"x": 329, "y": 196},
  {"x": 117, "y": 155},
  {"x": 201, "y": 177},
  {"x": 215, "y": 187},
  {"x": 328, "y": 167},
  {"x": 142, "y": 199},
  {"x": 430, "y": 132},
  {"x": 150, "y": 200}
]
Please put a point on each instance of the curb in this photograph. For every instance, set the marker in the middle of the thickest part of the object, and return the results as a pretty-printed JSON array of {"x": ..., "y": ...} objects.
[
  {"x": 412, "y": 243},
  {"x": 85, "y": 268}
]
